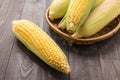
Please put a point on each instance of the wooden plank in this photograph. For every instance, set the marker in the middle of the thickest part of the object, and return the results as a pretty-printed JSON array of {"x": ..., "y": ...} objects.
[
  {"x": 110, "y": 58},
  {"x": 6, "y": 35},
  {"x": 84, "y": 61}
]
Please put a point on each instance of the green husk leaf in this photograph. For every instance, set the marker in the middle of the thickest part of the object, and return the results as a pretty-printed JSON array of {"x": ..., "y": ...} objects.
[
  {"x": 63, "y": 22},
  {"x": 58, "y": 9}
]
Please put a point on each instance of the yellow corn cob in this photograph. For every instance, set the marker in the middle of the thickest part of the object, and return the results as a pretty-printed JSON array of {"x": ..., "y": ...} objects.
[
  {"x": 77, "y": 10},
  {"x": 36, "y": 40},
  {"x": 77, "y": 13}
]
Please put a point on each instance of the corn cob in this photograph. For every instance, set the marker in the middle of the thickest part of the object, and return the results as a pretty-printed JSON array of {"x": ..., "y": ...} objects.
[
  {"x": 36, "y": 40},
  {"x": 58, "y": 9},
  {"x": 76, "y": 15},
  {"x": 97, "y": 3},
  {"x": 99, "y": 18}
]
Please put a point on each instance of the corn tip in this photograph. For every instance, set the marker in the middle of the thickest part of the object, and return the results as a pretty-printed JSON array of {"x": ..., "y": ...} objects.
[
  {"x": 14, "y": 22},
  {"x": 67, "y": 70}
]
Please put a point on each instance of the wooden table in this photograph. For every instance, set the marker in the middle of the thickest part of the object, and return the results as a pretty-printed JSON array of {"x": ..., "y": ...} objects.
[{"x": 100, "y": 61}]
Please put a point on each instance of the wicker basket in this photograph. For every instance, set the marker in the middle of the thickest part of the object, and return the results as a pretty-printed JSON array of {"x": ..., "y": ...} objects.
[{"x": 105, "y": 33}]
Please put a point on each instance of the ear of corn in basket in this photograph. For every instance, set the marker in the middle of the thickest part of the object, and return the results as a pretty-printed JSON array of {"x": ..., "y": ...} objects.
[
  {"x": 76, "y": 14},
  {"x": 58, "y": 9},
  {"x": 36, "y": 40},
  {"x": 99, "y": 18}
]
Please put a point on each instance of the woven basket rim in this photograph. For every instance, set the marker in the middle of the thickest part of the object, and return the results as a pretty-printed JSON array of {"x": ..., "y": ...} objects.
[{"x": 80, "y": 40}]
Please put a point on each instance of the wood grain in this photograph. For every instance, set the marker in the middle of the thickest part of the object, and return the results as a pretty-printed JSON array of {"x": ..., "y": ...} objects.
[{"x": 100, "y": 61}]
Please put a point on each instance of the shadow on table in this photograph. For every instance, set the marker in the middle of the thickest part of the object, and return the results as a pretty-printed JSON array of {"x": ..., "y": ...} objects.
[{"x": 90, "y": 50}]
